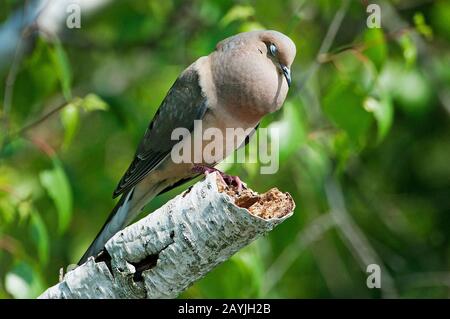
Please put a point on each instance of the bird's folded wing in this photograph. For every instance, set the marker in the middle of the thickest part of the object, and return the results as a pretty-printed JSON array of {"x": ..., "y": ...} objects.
[
  {"x": 185, "y": 102},
  {"x": 184, "y": 180}
]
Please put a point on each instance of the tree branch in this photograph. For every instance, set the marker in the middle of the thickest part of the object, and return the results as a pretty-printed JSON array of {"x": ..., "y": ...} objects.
[{"x": 164, "y": 253}]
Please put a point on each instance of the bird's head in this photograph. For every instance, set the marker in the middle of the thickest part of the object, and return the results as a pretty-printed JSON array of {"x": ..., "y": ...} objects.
[
  {"x": 252, "y": 71},
  {"x": 281, "y": 50}
]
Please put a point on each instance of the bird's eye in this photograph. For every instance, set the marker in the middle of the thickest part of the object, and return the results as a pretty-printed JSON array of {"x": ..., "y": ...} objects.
[{"x": 273, "y": 49}]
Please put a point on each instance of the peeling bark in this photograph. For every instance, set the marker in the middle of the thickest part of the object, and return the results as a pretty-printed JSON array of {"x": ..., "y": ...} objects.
[{"x": 164, "y": 253}]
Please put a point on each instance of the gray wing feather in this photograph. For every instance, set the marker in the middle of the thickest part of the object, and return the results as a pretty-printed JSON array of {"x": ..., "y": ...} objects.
[{"x": 184, "y": 103}]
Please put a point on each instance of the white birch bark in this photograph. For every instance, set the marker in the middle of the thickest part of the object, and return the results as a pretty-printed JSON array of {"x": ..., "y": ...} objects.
[{"x": 164, "y": 253}]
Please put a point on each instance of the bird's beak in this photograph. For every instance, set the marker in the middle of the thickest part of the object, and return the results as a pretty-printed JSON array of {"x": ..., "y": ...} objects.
[{"x": 287, "y": 74}]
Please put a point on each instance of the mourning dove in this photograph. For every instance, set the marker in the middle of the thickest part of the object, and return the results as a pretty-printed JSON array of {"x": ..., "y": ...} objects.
[{"x": 246, "y": 77}]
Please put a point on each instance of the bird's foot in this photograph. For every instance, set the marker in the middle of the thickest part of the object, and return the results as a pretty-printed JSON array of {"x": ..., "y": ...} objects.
[{"x": 229, "y": 180}]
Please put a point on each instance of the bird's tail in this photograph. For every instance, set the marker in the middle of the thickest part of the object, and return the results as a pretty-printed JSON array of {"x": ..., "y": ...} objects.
[{"x": 125, "y": 210}]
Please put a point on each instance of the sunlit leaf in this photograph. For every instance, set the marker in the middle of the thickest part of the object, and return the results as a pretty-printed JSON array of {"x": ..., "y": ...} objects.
[
  {"x": 7, "y": 212},
  {"x": 24, "y": 209},
  {"x": 375, "y": 46},
  {"x": 409, "y": 49},
  {"x": 422, "y": 27},
  {"x": 58, "y": 188},
  {"x": 383, "y": 113},
  {"x": 238, "y": 12},
  {"x": 93, "y": 102},
  {"x": 70, "y": 118},
  {"x": 414, "y": 92},
  {"x": 251, "y": 26}
]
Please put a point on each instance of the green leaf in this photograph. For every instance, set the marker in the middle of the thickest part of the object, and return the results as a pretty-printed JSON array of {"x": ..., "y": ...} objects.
[
  {"x": 422, "y": 27},
  {"x": 70, "y": 118},
  {"x": 93, "y": 102},
  {"x": 58, "y": 188},
  {"x": 238, "y": 12},
  {"x": 355, "y": 68},
  {"x": 383, "y": 113},
  {"x": 39, "y": 235},
  {"x": 24, "y": 210},
  {"x": 7, "y": 212},
  {"x": 414, "y": 93},
  {"x": 344, "y": 106},
  {"x": 409, "y": 49},
  {"x": 376, "y": 48},
  {"x": 41, "y": 67},
  {"x": 62, "y": 67},
  {"x": 251, "y": 26}
]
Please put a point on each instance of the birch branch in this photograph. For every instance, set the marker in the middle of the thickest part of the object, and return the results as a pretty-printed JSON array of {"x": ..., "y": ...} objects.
[{"x": 164, "y": 253}]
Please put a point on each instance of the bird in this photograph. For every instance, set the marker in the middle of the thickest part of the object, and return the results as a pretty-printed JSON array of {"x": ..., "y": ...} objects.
[{"x": 246, "y": 77}]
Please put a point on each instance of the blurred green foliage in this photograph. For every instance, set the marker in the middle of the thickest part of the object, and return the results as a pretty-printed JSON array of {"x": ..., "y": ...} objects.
[{"x": 370, "y": 114}]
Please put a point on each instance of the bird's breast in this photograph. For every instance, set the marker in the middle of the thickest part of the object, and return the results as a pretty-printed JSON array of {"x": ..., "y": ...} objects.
[{"x": 248, "y": 84}]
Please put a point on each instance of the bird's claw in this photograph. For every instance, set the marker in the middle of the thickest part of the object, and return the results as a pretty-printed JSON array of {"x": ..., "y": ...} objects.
[
  {"x": 233, "y": 181},
  {"x": 226, "y": 179}
]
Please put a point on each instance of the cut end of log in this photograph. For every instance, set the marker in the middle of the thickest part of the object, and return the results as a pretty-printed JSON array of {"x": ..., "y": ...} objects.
[{"x": 271, "y": 204}]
